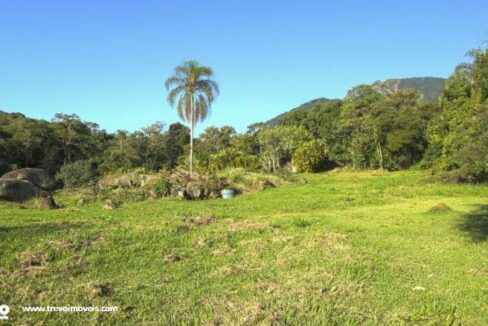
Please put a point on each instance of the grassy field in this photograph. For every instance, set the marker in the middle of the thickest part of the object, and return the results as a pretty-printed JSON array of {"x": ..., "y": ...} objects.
[{"x": 346, "y": 248}]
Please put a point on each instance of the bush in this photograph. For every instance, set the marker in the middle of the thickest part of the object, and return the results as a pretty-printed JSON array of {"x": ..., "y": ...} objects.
[
  {"x": 310, "y": 157},
  {"x": 162, "y": 188},
  {"x": 78, "y": 174},
  {"x": 231, "y": 158},
  {"x": 244, "y": 180}
]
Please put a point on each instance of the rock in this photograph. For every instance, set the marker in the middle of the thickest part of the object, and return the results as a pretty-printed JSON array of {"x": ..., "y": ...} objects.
[
  {"x": 48, "y": 203},
  {"x": 198, "y": 220},
  {"x": 418, "y": 288},
  {"x": 214, "y": 194},
  {"x": 197, "y": 186},
  {"x": 40, "y": 178},
  {"x": 263, "y": 185},
  {"x": 152, "y": 195},
  {"x": 108, "y": 204},
  {"x": 195, "y": 190},
  {"x": 19, "y": 190}
]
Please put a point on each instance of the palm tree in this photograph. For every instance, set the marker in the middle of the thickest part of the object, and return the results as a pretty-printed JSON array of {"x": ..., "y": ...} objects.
[{"x": 193, "y": 91}]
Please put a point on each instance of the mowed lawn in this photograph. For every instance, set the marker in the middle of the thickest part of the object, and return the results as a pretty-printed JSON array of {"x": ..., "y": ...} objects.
[{"x": 346, "y": 248}]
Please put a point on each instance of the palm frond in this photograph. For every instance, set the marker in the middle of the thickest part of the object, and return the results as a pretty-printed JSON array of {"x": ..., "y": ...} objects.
[
  {"x": 174, "y": 93},
  {"x": 180, "y": 108},
  {"x": 193, "y": 91},
  {"x": 208, "y": 88},
  {"x": 174, "y": 81},
  {"x": 203, "y": 72},
  {"x": 202, "y": 108},
  {"x": 188, "y": 106}
]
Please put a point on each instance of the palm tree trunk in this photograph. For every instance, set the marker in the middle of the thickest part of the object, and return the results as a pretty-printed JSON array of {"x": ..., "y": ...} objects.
[
  {"x": 192, "y": 126},
  {"x": 379, "y": 150}
]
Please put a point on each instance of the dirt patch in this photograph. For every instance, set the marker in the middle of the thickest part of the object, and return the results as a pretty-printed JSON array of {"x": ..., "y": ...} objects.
[
  {"x": 245, "y": 225},
  {"x": 327, "y": 241},
  {"x": 29, "y": 259},
  {"x": 4, "y": 272},
  {"x": 62, "y": 244},
  {"x": 201, "y": 242},
  {"x": 225, "y": 250},
  {"x": 255, "y": 245},
  {"x": 75, "y": 245},
  {"x": 253, "y": 314},
  {"x": 282, "y": 239},
  {"x": 92, "y": 242},
  {"x": 198, "y": 220},
  {"x": 440, "y": 208},
  {"x": 229, "y": 270},
  {"x": 97, "y": 289},
  {"x": 32, "y": 264},
  {"x": 171, "y": 258},
  {"x": 108, "y": 205}
]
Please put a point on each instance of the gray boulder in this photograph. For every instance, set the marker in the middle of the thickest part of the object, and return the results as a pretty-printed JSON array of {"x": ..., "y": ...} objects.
[
  {"x": 48, "y": 203},
  {"x": 196, "y": 186},
  {"x": 19, "y": 190},
  {"x": 38, "y": 177}
]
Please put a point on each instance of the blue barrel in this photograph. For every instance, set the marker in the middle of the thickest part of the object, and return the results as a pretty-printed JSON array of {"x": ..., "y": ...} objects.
[{"x": 228, "y": 193}]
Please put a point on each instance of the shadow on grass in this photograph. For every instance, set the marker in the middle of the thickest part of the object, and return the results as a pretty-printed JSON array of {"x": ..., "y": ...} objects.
[{"x": 475, "y": 223}]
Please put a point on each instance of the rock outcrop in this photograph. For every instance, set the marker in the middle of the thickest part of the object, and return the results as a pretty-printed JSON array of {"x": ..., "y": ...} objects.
[
  {"x": 19, "y": 190},
  {"x": 38, "y": 177},
  {"x": 197, "y": 186}
]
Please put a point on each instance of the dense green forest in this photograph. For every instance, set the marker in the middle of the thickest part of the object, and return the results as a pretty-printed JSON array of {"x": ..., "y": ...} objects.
[
  {"x": 430, "y": 89},
  {"x": 391, "y": 125}
]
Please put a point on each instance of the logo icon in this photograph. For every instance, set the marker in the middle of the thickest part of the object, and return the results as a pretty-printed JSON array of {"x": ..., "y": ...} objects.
[{"x": 4, "y": 310}]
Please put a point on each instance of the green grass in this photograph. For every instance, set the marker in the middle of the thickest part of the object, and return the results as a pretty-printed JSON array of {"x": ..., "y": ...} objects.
[{"x": 346, "y": 248}]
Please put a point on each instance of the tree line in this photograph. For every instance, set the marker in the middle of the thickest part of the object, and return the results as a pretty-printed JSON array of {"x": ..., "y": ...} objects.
[
  {"x": 376, "y": 126},
  {"x": 26, "y": 142}
]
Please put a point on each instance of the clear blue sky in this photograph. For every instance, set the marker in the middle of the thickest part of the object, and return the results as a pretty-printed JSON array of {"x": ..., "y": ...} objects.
[{"x": 107, "y": 60}]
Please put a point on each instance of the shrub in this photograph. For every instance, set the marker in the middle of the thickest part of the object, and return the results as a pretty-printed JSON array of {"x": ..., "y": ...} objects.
[
  {"x": 162, "y": 188},
  {"x": 78, "y": 174},
  {"x": 231, "y": 158},
  {"x": 310, "y": 156},
  {"x": 244, "y": 180}
]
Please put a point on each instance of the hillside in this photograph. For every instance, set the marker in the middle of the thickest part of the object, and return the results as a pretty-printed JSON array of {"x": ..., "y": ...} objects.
[
  {"x": 304, "y": 107},
  {"x": 429, "y": 87}
]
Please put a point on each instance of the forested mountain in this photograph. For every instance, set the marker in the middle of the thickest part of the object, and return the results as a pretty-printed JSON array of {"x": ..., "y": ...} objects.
[
  {"x": 430, "y": 89},
  {"x": 305, "y": 107}
]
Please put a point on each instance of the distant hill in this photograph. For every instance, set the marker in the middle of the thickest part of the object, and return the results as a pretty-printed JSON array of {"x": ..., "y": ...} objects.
[
  {"x": 429, "y": 87},
  {"x": 304, "y": 107}
]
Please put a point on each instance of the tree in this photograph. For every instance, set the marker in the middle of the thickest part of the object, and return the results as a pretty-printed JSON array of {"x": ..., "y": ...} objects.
[
  {"x": 322, "y": 122},
  {"x": 459, "y": 136},
  {"x": 193, "y": 91},
  {"x": 310, "y": 156},
  {"x": 155, "y": 140},
  {"x": 124, "y": 152},
  {"x": 74, "y": 135},
  {"x": 277, "y": 144},
  {"x": 357, "y": 136},
  {"x": 178, "y": 137}
]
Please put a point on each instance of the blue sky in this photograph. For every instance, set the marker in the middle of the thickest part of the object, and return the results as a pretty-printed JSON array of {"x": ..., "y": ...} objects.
[{"x": 107, "y": 60}]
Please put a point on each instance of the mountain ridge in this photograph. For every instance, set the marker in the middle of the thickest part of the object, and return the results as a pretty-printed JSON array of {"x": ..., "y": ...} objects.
[{"x": 429, "y": 87}]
